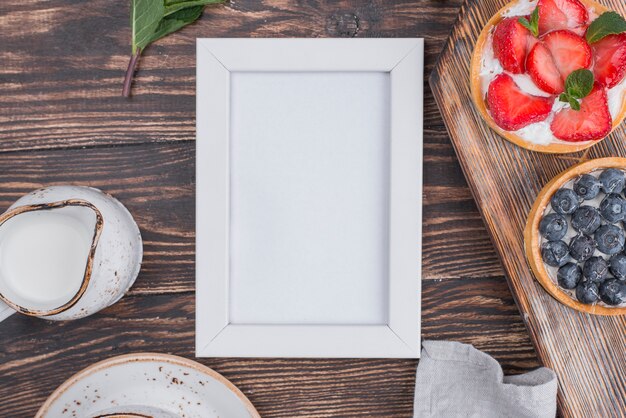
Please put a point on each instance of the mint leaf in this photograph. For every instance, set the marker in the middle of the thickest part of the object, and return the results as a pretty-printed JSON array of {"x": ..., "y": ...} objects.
[
  {"x": 145, "y": 16},
  {"x": 577, "y": 86},
  {"x": 579, "y": 83},
  {"x": 175, "y": 21},
  {"x": 574, "y": 103},
  {"x": 153, "y": 19},
  {"x": 608, "y": 23},
  {"x": 533, "y": 24},
  {"x": 525, "y": 23},
  {"x": 173, "y": 6}
]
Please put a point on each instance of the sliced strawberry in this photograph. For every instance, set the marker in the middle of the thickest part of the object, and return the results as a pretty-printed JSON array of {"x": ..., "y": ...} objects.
[
  {"x": 510, "y": 44},
  {"x": 552, "y": 59},
  {"x": 570, "y": 51},
  {"x": 591, "y": 122},
  {"x": 543, "y": 71},
  {"x": 610, "y": 59},
  {"x": 511, "y": 108},
  {"x": 562, "y": 14}
]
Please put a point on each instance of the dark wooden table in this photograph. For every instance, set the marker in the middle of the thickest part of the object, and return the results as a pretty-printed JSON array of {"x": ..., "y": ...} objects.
[{"x": 62, "y": 120}]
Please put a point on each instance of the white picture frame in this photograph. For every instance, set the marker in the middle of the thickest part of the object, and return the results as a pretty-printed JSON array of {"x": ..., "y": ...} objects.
[{"x": 399, "y": 334}]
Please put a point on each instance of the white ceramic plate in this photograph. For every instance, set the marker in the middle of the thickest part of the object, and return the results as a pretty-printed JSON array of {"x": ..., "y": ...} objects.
[{"x": 172, "y": 384}]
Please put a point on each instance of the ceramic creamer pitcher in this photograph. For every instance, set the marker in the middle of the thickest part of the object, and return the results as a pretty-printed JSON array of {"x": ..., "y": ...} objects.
[{"x": 67, "y": 252}]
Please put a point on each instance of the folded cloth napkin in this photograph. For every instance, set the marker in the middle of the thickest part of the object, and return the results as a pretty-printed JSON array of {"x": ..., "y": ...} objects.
[{"x": 457, "y": 380}]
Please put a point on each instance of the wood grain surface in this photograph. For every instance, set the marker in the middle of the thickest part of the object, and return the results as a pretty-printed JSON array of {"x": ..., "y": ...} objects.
[
  {"x": 587, "y": 352},
  {"x": 62, "y": 120}
]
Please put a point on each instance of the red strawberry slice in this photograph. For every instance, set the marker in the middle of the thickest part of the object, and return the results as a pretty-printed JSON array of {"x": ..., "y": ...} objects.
[
  {"x": 591, "y": 122},
  {"x": 610, "y": 59},
  {"x": 570, "y": 51},
  {"x": 562, "y": 14},
  {"x": 510, "y": 44},
  {"x": 543, "y": 71},
  {"x": 552, "y": 59},
  {"x": 511, "y": 108}
]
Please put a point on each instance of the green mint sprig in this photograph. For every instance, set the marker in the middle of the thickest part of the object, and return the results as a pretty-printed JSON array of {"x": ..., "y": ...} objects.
[
  {"x": 153, "y": 19},
  {"x": 608, "y": 23},
  {"x": 578, "y": 85},
  {"x": 531, "y": 24}
]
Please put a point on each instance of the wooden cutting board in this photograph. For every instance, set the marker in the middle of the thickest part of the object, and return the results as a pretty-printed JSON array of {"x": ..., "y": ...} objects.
[{"x": 587, "y": 352}]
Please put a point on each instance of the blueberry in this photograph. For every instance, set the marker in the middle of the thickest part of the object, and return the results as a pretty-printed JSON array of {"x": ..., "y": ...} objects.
[
  {"x": 581, "y": 247},
  {"x": 610, "y": 239},
  {"x": 613, "y": 208},
  {"x": 587, "y": 292},
  {"x": 569, "y": 275},
  {"x": 612, "y": 180},
  {"x": 595, "y": 269},
  {"x": 587, "y": 186},
  {"x": 565, "y": 201},
  {"x": 617, "y": 266},
  {"x": 555, "y": 253},
  {"x": 586, "y": 219},
  {"x": 553, "y": 227},
  {"x": 613, "y": 292}
]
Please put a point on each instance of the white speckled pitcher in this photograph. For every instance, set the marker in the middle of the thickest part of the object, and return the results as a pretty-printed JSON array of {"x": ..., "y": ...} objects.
[{"x": 67, "y": 252}]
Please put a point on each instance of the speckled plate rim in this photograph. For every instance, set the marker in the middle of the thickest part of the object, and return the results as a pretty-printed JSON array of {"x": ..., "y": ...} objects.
[
  {"x": 532, "y": 239},
  {"x": 479, "y": 100},
  {"x": 144, "y": 357}
]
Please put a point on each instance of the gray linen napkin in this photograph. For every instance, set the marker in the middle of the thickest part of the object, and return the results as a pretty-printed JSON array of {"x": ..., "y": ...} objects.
[{"x": 457, "y": 380}]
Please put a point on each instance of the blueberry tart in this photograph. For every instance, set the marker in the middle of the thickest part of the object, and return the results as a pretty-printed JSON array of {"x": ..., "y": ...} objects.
[{"x": 575, "y": 238}]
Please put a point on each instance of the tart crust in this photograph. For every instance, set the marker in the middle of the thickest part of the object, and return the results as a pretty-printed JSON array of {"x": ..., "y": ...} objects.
[
  {"x": 532, "y": 238},
  {"x": 479, "y": 100}
]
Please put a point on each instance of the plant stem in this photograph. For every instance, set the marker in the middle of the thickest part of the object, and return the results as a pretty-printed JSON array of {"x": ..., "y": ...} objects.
[{"x": 130, "y": 72}]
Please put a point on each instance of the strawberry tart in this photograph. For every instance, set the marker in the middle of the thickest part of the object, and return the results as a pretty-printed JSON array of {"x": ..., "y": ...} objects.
[{"x": 550, "y": 75}]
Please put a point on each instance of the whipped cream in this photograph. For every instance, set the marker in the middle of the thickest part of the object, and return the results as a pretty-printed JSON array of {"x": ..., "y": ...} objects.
[
  {"x": 539, "y": 132},
  {"x": 593, "y": 13},
  {"x": 616, "y": 97},
  {"x": 521, "y": 8}
]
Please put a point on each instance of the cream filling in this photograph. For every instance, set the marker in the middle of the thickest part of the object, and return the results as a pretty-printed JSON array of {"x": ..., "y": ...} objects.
[
  {"x": 539, "y": 132},
  {"x": 521, "y": 8}
]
